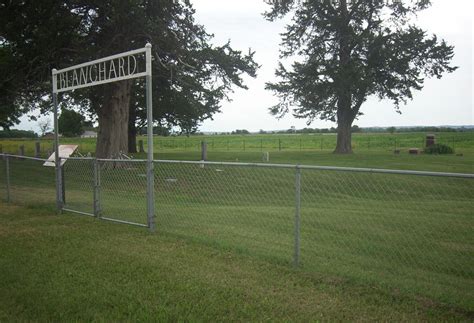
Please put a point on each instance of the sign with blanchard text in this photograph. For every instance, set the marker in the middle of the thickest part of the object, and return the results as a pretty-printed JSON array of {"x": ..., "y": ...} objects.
[{"x": 133, "y": 64}]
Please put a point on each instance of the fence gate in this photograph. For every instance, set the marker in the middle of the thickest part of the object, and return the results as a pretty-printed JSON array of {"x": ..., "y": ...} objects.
[
  {"x": 78, "y": 186},
  {"x": 80, "y": 175}
]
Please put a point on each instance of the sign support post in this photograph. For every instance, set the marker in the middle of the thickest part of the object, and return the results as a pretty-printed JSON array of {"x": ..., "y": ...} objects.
[
  {"x": 57, "y": 166},
  {"x": 150, "y": 166}
]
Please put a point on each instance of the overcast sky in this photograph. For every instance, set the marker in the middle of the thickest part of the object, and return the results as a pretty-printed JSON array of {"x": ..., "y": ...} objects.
[
  {"x": 448, "y": 101},
  {"x": 442, "y": 102}
]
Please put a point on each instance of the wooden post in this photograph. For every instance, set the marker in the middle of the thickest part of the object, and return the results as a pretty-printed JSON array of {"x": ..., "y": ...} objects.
[
  {"x": 141, "y": 146},
  {"x": 37, "y": 149},
  {"x": 22, "y": 150},
  {"x": 204, "y": 150}
]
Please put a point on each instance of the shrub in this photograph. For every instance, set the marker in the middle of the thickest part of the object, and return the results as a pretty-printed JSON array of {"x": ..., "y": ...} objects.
[{"x": 439, "y": 149}]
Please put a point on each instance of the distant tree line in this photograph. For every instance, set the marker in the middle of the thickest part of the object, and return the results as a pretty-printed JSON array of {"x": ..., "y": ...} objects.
[
  {"x": 17, "y": 134},
  {"x": 354, "y": 129},
  {"x": 166, "y": 132}
]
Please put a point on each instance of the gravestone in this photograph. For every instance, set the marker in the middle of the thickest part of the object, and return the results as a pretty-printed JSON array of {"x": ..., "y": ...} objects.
[
  {"x": 430, "y": 140},
  {"x": 266, "y": 157}
]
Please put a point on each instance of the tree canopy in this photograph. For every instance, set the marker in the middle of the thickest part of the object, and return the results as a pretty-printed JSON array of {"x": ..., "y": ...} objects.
[
  {"x": 346, "y": 51},
  {"x": 191, "y": 76}
]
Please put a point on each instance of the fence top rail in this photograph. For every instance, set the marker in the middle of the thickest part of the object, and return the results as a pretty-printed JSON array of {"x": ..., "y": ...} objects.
[
  {"x": 77, "y": 158},
  {"x": 122, "y": 160},
  {"x": 328, "y": 168},
  {"x": 266, "y": 165},
  {"x": 23, "y": 157}
]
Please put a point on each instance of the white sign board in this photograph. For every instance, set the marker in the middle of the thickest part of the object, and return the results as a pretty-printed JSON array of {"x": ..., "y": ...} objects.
[
  {"x": 65, "y": 151},
  {"x": 114, "y": 68}
]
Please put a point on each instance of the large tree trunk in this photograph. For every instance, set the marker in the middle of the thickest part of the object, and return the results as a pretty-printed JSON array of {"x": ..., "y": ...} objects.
[
  {"x": 113, "y": 116},
  {"x": 132, "y": 130},
  {"x": 345, "y": 115},
  {"x": 344, "y": 133}
]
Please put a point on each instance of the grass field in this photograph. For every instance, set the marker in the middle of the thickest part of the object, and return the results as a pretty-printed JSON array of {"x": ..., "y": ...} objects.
[
  {"x": 463, "y": 142},
  {"x": 409, "y": 236},
  {"x": 71, "y": 268},
  {"x": 380, "y": 154}
]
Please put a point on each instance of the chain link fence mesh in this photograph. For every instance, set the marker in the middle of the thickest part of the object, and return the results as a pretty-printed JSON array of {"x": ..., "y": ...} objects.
[
  {"x": 3, "y": 179},
  {"x": 412, "y": 233},
  {"x": 78, "y": 184},
  {"x": 31, "y": 183},
  {"x": 123, "y": 191},
  {"x": 405, "y": 232},
  {"x": 242, "y": 208}
]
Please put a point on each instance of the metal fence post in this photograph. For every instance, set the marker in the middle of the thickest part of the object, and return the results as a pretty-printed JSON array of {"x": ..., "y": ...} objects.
[
  {"x": 297, "y": 216},
  {"x": 96, "y": 188},
  {"x": 60, "y": 184},
  {"x": 150, "y": 164},
  {"x": 7, "y": 169}
]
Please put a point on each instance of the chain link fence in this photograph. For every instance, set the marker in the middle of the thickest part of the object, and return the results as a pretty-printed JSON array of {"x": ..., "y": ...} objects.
[
  {"x": 78, "y": 186},
  {"x": 24, "y": 181},
  {"x": 407, "y": 231},
  {"x": 122, "y": 191}
]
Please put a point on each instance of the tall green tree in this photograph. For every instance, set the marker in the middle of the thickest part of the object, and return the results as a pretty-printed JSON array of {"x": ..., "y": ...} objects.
[
  {"x": 34, "y": 37},
  {"x": 71, "y": 123},
  {"x": 347, "y": 51},
  {"x": 191, "y": 77}
]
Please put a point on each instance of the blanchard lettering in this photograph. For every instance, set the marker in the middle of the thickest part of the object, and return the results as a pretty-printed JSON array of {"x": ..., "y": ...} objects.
[{"x": 90, "y": 74}]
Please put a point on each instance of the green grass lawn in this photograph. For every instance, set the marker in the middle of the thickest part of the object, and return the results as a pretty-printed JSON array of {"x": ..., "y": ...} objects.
[
  {"x": 407, "y": 235},
  {"x": 72, "y": 268}
]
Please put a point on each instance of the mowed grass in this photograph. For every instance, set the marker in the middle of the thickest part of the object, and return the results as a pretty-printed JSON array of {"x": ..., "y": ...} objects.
[
  {"x": 367, "y": 159},
  {"x": 72, "y": 268},
  {"x": 407, "y": 235},
  {"x": 462, "y": 142}
]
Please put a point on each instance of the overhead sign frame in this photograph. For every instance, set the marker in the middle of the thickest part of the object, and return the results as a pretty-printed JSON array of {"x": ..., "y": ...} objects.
[{"x": 119, "y": 67}]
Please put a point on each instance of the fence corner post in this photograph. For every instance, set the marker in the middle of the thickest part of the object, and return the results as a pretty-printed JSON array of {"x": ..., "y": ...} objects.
[
  {"x": 151, "y": 196},
  {"x": 7, "y": 184},
  {"x": 296, "y": 260}
]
